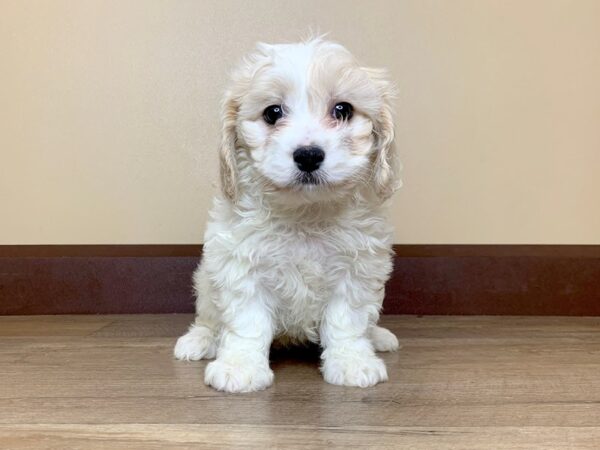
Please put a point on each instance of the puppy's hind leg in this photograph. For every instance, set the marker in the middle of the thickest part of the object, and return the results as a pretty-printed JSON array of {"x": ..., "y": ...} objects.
[
  {"x": 198, "y": 343},
  {"x": 200, "y": 340},
  {"x": 383, "y": 340}
]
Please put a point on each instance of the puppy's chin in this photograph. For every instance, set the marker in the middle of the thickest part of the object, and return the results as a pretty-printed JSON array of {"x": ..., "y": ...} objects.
[
  {"x": 304, "y": 196},
  {"x": 306, "y": 180},
  {"x": 310, "y": 188}
]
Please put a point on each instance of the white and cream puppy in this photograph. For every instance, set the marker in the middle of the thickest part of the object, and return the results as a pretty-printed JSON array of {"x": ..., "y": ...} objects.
[{"x": 297, "y": 247}]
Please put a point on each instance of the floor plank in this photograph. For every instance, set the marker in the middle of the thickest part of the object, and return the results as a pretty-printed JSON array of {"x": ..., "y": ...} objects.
[
  {"x": 148, "y": 437},
  {"x": 456, "y": 382},
  {"x": 20, "y": 326}
]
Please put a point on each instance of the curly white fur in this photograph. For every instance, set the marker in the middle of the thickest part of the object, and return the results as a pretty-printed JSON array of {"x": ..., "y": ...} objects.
[{"x": 289, "y": 259}]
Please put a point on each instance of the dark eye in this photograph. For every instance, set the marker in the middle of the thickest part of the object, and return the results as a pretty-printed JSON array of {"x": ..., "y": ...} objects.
[
  {"x": 272, "y": 114},
  {"x": 343, "y": 111}
]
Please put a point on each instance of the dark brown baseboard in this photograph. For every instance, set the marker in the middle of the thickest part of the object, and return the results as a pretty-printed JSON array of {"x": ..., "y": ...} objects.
[{"x": 427, "y": 279}]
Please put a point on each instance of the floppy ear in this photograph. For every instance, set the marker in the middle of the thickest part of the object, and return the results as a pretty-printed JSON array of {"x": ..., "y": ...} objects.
[
  {"x": 385, "y": 170},
  {"x": 240, "y": 80},
  {"x": 227, "y": 159}
]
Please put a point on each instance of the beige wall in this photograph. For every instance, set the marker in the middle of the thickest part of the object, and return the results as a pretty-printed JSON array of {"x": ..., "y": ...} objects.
[{"x": 108, "y": 113}]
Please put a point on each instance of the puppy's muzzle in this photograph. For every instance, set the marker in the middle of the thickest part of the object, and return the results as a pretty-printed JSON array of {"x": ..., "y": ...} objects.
[{"x": 309, "y": 158}]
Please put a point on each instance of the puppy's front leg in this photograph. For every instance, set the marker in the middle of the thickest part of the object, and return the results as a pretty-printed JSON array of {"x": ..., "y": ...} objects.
[
  {"x": 348, "y": 356},
  {"x": 242, "y": 363}
]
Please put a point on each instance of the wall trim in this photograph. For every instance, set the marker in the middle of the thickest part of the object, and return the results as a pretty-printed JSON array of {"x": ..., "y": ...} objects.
[{"x": 427, "y": 279}]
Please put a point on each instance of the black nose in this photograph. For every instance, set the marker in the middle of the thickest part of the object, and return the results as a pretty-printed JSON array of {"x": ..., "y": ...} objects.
[{"x": 309, "y": 158}]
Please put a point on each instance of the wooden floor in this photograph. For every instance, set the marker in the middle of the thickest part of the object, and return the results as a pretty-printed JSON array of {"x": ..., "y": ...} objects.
[{"x": 457, "y": 383}]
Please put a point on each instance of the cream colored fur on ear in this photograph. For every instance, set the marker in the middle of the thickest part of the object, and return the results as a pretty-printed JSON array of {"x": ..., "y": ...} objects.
[
  {"x": 385, "y": 165},
  {"x": 228, "y": 169},
  {"x": 240, "y": 80}
]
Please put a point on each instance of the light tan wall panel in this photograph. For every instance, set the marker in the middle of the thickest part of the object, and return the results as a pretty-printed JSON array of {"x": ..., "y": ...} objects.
[{"x": 109, "y": 113}]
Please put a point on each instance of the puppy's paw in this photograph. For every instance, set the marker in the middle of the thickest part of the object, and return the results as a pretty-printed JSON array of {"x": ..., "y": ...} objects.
[
  {"x": 347, "y": 369},
  {"x": 229, "y": 375},
  {"x": 383, "y": 340},
  {"x": 196, "y": 344}
]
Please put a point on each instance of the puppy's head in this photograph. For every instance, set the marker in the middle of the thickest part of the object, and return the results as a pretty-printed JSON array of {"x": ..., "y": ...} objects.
[{"x": 305, "y": 120}]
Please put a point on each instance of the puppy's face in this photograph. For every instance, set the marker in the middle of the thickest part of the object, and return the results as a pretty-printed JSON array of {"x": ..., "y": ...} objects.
[{"x": 309, "y": 119}]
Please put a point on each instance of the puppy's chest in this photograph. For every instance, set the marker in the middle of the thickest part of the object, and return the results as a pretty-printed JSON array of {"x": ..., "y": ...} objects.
[
  {"x": 300, "y": 282},
  {"x": 299, "y": 270}
]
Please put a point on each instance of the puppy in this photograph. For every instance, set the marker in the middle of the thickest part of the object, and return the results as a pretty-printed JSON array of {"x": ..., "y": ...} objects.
[{"x": 297, "y": 247}]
